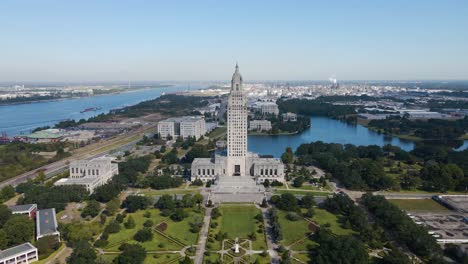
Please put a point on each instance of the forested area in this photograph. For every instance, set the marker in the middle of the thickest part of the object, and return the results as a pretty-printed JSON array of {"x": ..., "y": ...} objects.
[
  {"x": 18, "y": 157},
  {"x": 363, "y": 167},
  {"x": 432, "y": 129},
  {"x": 316, "y": 107},
  {"x": 397, "y": 224}
]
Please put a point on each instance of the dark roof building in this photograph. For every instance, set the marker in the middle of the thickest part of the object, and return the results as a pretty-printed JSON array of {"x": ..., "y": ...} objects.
[
  {"x": 46, "y": 223},
  {"x": 25, "y": 209},
  {"x": 24, "y": 253}
]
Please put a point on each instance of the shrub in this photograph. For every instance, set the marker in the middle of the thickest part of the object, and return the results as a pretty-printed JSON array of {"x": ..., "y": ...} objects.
[{"x": 143, "y": 235}]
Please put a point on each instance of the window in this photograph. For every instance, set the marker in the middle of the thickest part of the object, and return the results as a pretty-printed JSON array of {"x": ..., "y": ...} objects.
[{"x": 199, "y": 171}]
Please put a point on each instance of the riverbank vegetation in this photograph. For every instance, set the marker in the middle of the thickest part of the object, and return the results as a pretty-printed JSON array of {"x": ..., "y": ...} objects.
[
  {"x": 316, "y": 107},
  {"x": 389, "y": 167},
  {"x": 432, "y": 129}
]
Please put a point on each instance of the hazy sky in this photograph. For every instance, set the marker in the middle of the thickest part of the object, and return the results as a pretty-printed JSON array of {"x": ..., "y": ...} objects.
[{"x": 83, "y": 40}]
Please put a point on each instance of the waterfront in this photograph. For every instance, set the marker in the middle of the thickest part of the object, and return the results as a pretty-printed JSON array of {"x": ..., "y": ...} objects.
[
  {"x": 327, "y": 130},
  {"x": 22, "y": 118}
]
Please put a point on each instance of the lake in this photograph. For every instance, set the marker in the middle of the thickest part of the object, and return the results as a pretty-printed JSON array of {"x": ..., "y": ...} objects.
[
  {"x": 22, "y": 118},
  {"x": 327, "y": 130}
]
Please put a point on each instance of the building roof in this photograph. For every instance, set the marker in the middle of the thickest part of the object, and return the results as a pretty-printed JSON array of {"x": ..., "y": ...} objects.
[
  {"x": 203, "y": 161},
  {"x": 23, "y": 207},
  {"x": 46, "y": 222},
  {"x": 183, "y": 119},
  {"x": 46, "y": 134},
  {"x": 10, "y": 252}
]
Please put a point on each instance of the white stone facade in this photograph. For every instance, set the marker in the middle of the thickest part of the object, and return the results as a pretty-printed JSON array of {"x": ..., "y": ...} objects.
[
  {"x": 90, "y": 173},
  {"x": 260, "y": 125},
  {"x": 268, "y": 108},
  {"x": 238, "y": 165},
  {"x": 186, "y": 126},
  {"x": 289, "y": 117}
]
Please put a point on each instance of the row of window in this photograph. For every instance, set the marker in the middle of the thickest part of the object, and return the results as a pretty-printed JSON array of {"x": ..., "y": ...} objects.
[
  {"x": 206, "y": 172},
  {"x": 265, "y": 172},
  {"x": 90, "y": 171}
]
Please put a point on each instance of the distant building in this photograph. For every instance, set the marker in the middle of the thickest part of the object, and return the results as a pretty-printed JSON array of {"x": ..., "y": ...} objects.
[
  {"x": 46, "y": 136},
  {"x": 289, "y": 117},
  {"x": 267, "y": 108},
  {"x": 46, "y": 224},
  {"x": 24, "y": 253},
  {"x": 24, "y": 209},
  {"x": 260, "y": 125},
  {"x": 186, "y": 126},
  {"x": 90, "y": 173}
]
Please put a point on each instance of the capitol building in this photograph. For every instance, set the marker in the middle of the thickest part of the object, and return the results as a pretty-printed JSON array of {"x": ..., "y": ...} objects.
[{"x": 238, "y": 170}]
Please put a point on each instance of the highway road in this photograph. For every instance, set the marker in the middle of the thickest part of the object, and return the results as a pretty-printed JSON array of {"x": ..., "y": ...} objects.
[{"x": 91, "y": 151}]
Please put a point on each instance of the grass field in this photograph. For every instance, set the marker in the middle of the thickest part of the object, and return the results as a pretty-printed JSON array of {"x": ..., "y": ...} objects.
[
  {"x": 218, "y": 133},
  {"x": 178, "y": 230},
  {"x": 419, "y": 205},
  {"x": 238, "y": 222},
  {"x": 323, "y": 217},
  {"x": 292, "y": 231}
]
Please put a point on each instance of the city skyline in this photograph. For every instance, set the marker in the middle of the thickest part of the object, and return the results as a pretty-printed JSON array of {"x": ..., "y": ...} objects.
[{"x": 348, "y": 40}]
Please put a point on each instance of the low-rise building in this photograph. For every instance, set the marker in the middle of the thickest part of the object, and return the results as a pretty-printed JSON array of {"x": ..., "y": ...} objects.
[
  {"x": 46, "y": 223},
  {"x": 267, "y": 108},
  {"x": 289, "y": 117},
  {"x": 24, "y": 253},
  {"x": 90, "y": 173},
  {"x": 24, "y": 209},
  {"x": 260, "y": 125},
  {"x": 185, "y": 126}
]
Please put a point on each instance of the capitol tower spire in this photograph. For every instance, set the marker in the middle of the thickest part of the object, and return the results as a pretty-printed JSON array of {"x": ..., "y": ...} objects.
[{"x": 236, "y": 127}]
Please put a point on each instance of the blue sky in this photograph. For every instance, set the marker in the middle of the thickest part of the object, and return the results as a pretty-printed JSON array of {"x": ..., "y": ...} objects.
[{"x": 201, "y": 40}]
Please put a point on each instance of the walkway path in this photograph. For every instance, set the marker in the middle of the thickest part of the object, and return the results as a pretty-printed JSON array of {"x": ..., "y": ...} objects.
[
  {"x": 203, "y": 237},
  {"x": 270, "y": 243}
]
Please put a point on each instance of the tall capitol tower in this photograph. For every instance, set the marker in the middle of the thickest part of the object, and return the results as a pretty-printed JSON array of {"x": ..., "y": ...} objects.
[{"x": 236, "y": 127}]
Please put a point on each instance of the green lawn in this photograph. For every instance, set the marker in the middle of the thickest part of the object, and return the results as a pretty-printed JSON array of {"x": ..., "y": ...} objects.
[
  {"x": 218, "y": 133},
  {"x": 421, "y": 205},
  {"x": 323, "y": 217},
  {"x": 238, "y": 222},
  {"x": 292, "y": 231},
  {"x": 178, "y": 230}
]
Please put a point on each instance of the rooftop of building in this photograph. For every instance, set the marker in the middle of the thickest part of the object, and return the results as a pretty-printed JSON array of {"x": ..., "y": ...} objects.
[
  {"x": 10, "y": 252},
  {"x": 23, "y": 207},
  {"x": 183, "y": 119},
  {"x": 46, "y": 222}
]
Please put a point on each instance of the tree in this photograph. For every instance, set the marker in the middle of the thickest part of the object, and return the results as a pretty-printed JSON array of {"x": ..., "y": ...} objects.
[
  {"x": 215, "y": 213},
  {"x": 185, "y": 260},
  {"x": 7, "y": 192},
  {"x": 266, "y": 183},
  {"x": 92, "y": 209},
  {"x": 112, "y": 227},
  {"x": 307, "y": 201},
  {"x": 83, "y": 253},
  {"x": 339, "y": 249},
  {"x": 131, "y": 254},
  {"x": 165, "y": 202},
  {"x": 148, "y": 223},
  {"x": 19, "y": 229},
  {"x": 47, "y": 245},
  {"x": 3, "y": 239},
  {"x": 5, "y": 214},
  {"x": 288, "y": 157},
  {"x": 130, "y": 223},
  {"x": 179, "y": 215},
  {"x": 143, "y": 235},
  {"x": 136, "y": 202},
  {"x": 113, "y": 206}
]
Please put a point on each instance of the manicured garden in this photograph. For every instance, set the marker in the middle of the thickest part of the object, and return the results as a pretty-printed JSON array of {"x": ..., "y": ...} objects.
[
  {"x": 237, "y": 221},
  {"x": 172, "y": 236}
]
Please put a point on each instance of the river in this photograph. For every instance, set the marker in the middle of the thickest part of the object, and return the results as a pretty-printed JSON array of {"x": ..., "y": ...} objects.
[
  {"x": 22, "y": 118},
  {"x": 327, "y": 130}
]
